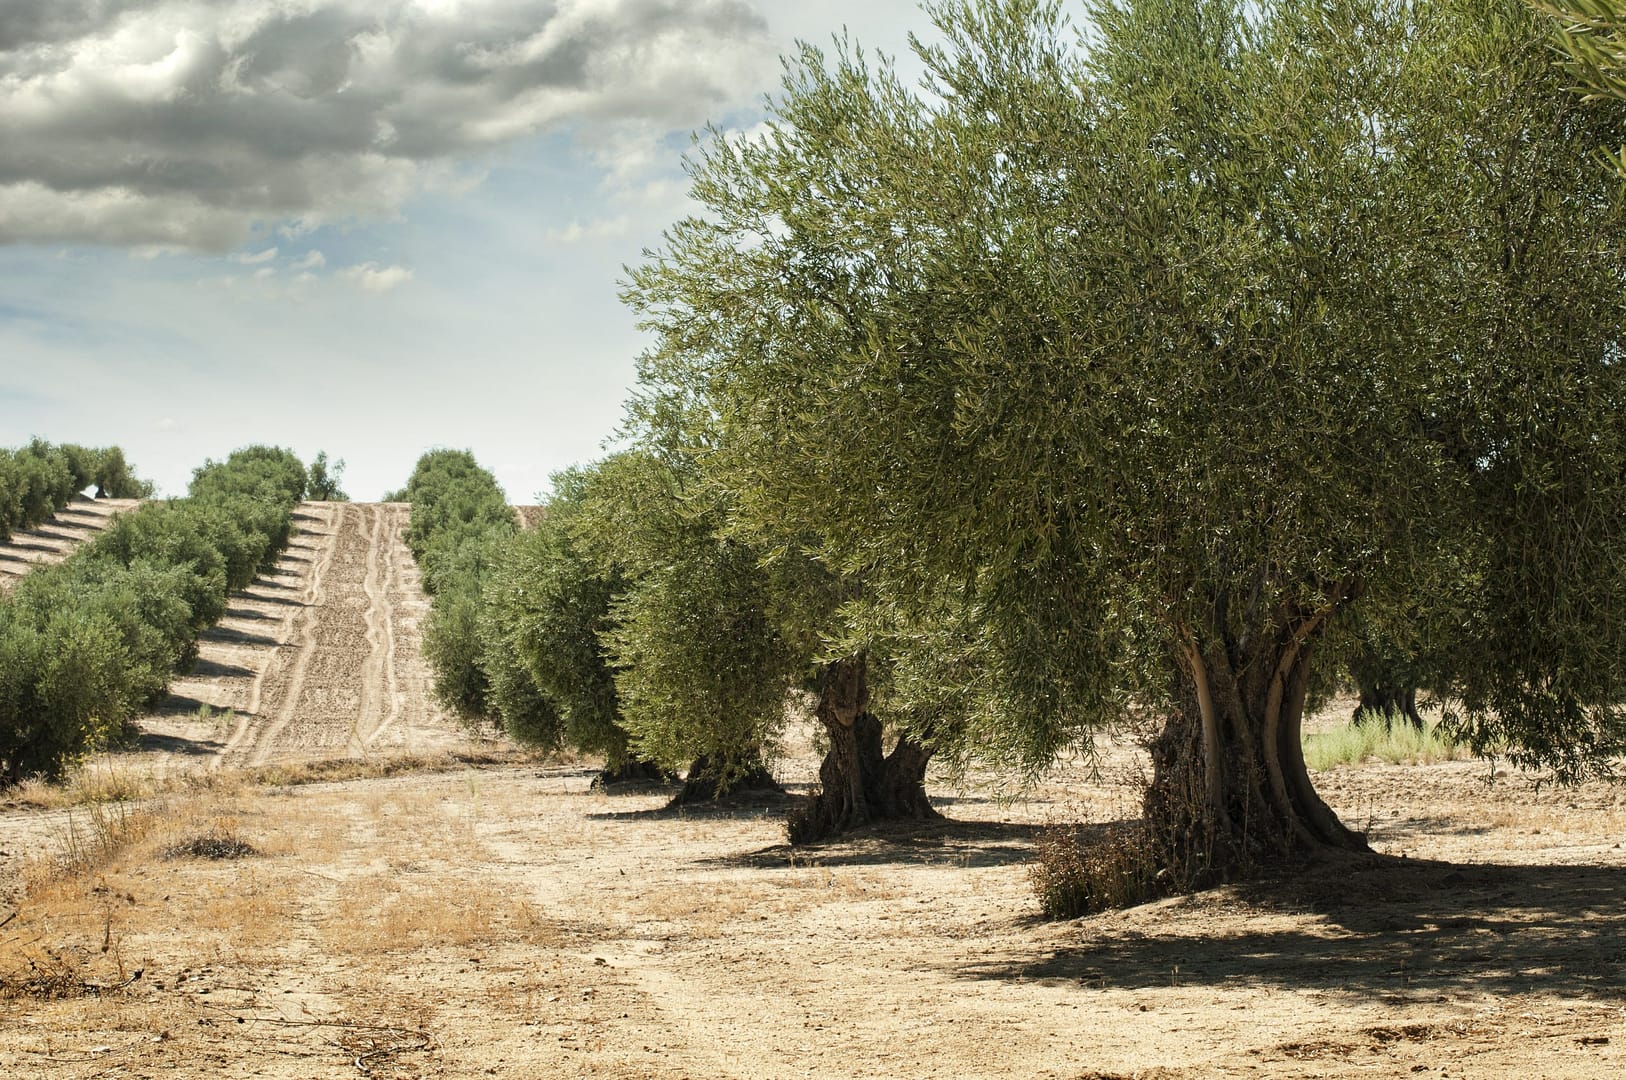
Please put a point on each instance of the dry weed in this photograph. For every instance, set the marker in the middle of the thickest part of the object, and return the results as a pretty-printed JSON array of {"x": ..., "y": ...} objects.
[
  {"x": 379, "y": 914},
  {"x": 93, "y": 837},
  {"x": 219, "y": 841},
  {"x": 1077, "y": 874},
  {"x": 248, "y": 913},
  {"x": 112, "y": 780}
]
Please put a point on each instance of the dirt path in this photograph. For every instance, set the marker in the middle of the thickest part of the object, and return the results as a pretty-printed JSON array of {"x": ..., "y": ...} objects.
[
  {"x": 511, "y": 922},
  {"x": 55, "y": 540},
  {"x": 318, "y": 658}
]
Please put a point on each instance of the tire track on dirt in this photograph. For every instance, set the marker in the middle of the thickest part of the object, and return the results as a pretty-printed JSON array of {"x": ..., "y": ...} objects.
[
  {"x": 377, "y": 618},
  {"x": 392, "y": 548},
  {"x": 345, "y": 688},
  {"x": 309, "y": 707},
  {"x": 311, "y": 597},
  {"x": 320, "y": 657}
]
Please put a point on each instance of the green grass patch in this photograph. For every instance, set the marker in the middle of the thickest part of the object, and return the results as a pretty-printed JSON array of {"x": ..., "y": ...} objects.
[{"x": 1398, "y": 743}]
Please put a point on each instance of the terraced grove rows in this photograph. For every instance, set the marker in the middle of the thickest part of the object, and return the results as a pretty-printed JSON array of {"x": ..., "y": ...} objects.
[
  {"x": 319, "y": 656},
  {"x": 55, "y": 540}
]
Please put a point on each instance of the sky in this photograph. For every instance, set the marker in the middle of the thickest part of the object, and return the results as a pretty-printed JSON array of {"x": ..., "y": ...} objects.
[{"x": 370, "y": 227}]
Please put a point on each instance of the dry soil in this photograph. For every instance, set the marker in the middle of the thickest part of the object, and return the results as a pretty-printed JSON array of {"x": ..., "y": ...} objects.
[{"x": 509, "y": 920}]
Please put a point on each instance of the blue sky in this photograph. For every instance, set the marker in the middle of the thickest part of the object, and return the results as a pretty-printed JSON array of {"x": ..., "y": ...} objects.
[{"x": 231, "y": 259}]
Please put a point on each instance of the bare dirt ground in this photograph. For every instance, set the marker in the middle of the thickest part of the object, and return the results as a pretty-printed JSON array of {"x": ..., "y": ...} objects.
[
  {"x": 509, "y": 921},
  {"x": 319, "y": 657},
  {"x": 55, "y": 540}
]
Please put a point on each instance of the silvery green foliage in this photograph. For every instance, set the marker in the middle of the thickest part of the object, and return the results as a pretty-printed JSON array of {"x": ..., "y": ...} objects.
[
  {"x": 1218, "y": 319},
  {"x": 703, "y": 665}
]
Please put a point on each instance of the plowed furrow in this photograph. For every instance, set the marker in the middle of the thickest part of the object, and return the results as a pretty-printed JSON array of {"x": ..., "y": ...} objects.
[{"x": 320, "y": 657}]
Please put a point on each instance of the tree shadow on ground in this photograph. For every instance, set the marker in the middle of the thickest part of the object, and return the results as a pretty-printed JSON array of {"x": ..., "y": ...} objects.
[
  {"x": 266, "y": 580},
  {"x": 1374, "y": 925},
  {"x": 184, "y": 707},
  {"x": 227, "y": 636},
  {"x": 945, "y": 842},
  {"x": 285, "y": 601},
  {"x": 149, "y": 741},
  {"x": 249, "y": 613},
  {"x": 52, "y": 534},
  {"x": 29, "y": 545},
  {"x": 745, "y": 804},
  {"x": 206, "y": 668}
]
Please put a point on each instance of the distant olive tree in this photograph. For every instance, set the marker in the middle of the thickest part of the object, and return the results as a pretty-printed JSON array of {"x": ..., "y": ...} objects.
[
  {"x": 87, "y": 644},
  {"x": 323, "y": 485}
]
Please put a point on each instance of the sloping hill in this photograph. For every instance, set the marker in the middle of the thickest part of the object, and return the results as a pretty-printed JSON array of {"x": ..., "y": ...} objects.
[{"x": 55, "y": 540}]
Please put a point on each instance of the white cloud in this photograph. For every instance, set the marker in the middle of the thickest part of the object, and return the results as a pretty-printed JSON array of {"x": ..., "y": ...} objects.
[
  {"x": 166, "y": 424},
  {"x": 311, "y": 260},
  {"x": 180, "y": 124},
  {"x": 377, "y": 279},
  {"x": 603, "y": 229},
  {"x": 258, "y": 257}
]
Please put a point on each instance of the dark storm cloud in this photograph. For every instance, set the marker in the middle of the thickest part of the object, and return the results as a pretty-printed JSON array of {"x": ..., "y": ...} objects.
[{"x": 183, "y": 122}]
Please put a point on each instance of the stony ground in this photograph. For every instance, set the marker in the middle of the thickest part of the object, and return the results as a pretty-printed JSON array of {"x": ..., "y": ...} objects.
[
  {"x": 505, "y": 920},
  {"x": 509, "y": 921}
]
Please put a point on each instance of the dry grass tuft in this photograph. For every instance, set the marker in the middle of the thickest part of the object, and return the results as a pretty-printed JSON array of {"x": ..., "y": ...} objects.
[
  {"x": 1079, "y": 874},
  {"x": 94, "y": 837},
  {"x": 112, "y": 782},
  {"x": 379, "y": 914},
  {"x": 327, "y": 770}
]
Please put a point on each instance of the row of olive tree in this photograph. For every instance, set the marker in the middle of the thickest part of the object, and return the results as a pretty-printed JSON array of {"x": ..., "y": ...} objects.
[
  {"x": 547, "y": 686},
  {"x": 86, "y": 645},
  {"x": 459, "y": 518},
  {"x": 1145, "y": 368},
  {"x": 39, "y": 479}
]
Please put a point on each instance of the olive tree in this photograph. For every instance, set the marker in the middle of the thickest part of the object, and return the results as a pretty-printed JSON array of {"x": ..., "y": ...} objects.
[
  {"x": 1152, "y": 351},
  {"x": 547, "y": 603},
  {"x": 702, "y": 671}
]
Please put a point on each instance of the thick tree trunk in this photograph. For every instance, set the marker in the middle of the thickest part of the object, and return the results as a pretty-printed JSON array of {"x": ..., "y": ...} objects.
[
  {"x": 1387, "y": 703},
  {"x": 709, "y": 779},
  {"x": 631, "y": 770},
  {"x": 858, "y": 784},
  {"x": 1230, "y": 791}
]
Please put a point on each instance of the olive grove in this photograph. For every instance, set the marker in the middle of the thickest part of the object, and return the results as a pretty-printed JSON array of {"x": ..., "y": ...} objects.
[{"x": 1120, "y": 364}]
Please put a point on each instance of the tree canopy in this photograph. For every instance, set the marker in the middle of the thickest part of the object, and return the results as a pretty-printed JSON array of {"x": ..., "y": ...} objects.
[{"x": 1139, "y": 356}]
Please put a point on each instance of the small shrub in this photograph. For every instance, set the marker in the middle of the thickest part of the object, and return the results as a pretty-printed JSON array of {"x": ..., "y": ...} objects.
[
  {"x": 220, "y": 842},
  {"x": 1078, "y": 873}
]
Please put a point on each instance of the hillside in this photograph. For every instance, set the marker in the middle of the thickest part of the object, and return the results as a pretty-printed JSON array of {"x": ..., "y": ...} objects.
[{"x": 56, "y": 539}]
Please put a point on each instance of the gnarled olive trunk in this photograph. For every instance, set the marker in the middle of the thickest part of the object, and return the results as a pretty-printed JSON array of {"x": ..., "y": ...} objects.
[
  {"x": 1384, "y": 702},
  {"x": 631, "y": 770},
  {"x": 859, "y": 785},
  {"x": 712, "y": 778},
  {"x": 1230, "y": 790}
]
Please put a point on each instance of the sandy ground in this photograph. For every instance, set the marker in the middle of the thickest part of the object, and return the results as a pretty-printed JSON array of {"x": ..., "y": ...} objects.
[
  {"x": 55, "y": 540},
  {"x": 509, "y": 921},
  {"x": 318, "y": 657}
]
